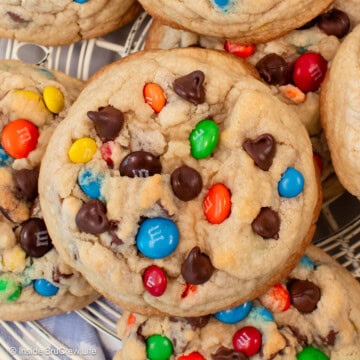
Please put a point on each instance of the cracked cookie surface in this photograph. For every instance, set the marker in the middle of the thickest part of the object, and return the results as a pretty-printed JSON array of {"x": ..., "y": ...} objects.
[
  {"x": 34, "y": 281},
  {"x": 195, "y": 193},
  {"x": 314, "y": 312},
  {"x": 54, "y": 22}
]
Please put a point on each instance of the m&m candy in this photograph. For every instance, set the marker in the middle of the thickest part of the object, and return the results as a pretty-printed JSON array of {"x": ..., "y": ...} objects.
[
  {"x": 90, "y": 183},
  {"x": 191, "y": 356},
  {"x": 311, "y": 353},
  {"x": 82, "y": 150},
  {"x": 155, "y": 281},
  {"x": 276, "y": 299},
  {"x": 154, "y": 96},
  {"x": 45, "y": 288},
  {"x": 291, "y": 183},
  {"x": 158, "y": 347},
  {"x": 243, "y": 51},
  {"x": 54, "y": 99},
  {"x": 19, "y": 138},
  {"x": 157, "y": 238},
  {"x": 247, "y": 340},
  {"x": 217, "y": 204},
  {"x": 234, "y": 315}
]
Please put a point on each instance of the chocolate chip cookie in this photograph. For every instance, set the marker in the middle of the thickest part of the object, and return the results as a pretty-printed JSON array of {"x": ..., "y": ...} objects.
[
  {"x": 34, "y": 281},
  {"x": 294, "y": 66},
  {"x": 60, "y": 22},
  {"x": 340, "y": 106},
  {"x": 247, "y": 21},
  {"x": 313, "y": 314},
  {"x": 179, "y": 184}
]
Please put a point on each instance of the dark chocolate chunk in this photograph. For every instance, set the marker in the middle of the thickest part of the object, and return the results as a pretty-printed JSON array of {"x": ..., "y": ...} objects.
[
  {"x": 302, "y": 339},
  {"x": 108, "y": 122},
  {"x": 195, "y": 322},
  {"x": 91, "y": 217},
  {"x": 140, "y": 164},
  {"x": 334, "y": 22},
  {"x": 57, "y": 275},
  {"x": 274, "y": 69},
  {"x": 330, "y": 338},
  {"x": 304, "y": 295},
  {"x": 267, "y": 223},
  {"x": 223, "y": 353},
  {"x": 17, "y": 18},
  {"x": 27, "y": 183},
  {"x": 197, "y": 267},
  {"x": 190, "y": 87},
  {"x": 261, "y": 150},
  {"x": 186, "y": 183},
  {"x": 34, "y": 238}
]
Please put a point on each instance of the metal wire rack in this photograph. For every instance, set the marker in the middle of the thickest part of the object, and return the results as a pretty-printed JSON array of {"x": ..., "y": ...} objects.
[{"x": 338, "y": 231}]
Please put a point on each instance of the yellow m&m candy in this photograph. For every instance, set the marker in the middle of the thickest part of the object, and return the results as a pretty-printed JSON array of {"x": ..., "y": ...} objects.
[
  {"x": 82, "y": 150},
  {"x": 54, "y": 99}
]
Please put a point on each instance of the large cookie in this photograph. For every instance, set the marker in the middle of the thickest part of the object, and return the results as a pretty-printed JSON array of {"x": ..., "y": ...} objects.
[
  {"x": 248, "y": 21},
  {"x": 313, "y": 314},
  {"x": 34, "y": 281},
  {"x": 179, "y": 167},
  {"x": 278, "y": 61},
  {"x": 340, "y": 109},
  {"x": 59, "y": 22}
]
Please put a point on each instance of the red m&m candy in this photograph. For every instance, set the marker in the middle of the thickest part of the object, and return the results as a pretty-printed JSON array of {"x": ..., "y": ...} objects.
[
  {"x": 247, "y": 340},
  {"x": 276, "y": 299},
  {"x": 217, "y": 204},
  {"x": 318, "y": 162},
  {"x": 192, "y": 356},
  {"x": 243, "y": 51},
  {"x": 309, "y": 71},
  {"x": 155, "y": 281},
  {"x": 19, "y": 138}
]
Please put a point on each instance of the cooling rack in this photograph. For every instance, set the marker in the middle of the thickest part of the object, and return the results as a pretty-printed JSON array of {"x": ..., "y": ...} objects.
[{"x": 338, "y": 231}]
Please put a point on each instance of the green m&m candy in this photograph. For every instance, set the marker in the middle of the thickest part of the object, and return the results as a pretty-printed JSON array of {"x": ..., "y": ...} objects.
[
  {"x": 204, "y": 138},
  {"x": 9, "y": 290},
  {"x": 311, "y": 353},
  {"x": 158, "y": 347}
]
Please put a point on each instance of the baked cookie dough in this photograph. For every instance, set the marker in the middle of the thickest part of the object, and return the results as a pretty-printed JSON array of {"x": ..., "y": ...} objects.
[
  {"x": 248, "y": 21},
  {"x": 179, "y": 184},
  {"x": 275, "y": 61},
  {"x": 34, "y": 281},
  {"x": 313, "y": 314},
  {"x": 340, "y": 110},
  {"x": 60, "y": 22}
]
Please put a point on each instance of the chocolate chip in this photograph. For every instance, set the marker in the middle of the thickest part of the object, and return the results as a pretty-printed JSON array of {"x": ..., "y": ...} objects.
[
  {"x": 261, "y": 150},
  {"x": 223, "y": 353},
  {"x": 309, "y": 24},
  {"x": 34, "y": 238},
  {"x": 190, "y": 87},
  {"x": 330, "y": 338},
  {"x": 195, "y": 322},
  {"x": 304, "y": 295},
  {"x": 108, "y": 122},
  {"x": 92, "y": 218},
  {"x": 197, "y": 267},
  {"x": 17, "y": 18},
  {"x": 186, "y": 183},
  {"x": 57, "y": 275},
  {"x": 27, "y": 183},
  {"x": 301, "y": 339},
  {"x": 274, "y": 69},
  {"x": 267, "y": 223},
  {"x": 140, "y": 164},
  {"x": 334, "y": 22}
]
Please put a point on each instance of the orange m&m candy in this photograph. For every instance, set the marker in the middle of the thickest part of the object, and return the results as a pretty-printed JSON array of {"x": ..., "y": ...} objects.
[
  {"x": 19, "y": 138},
  {"x": 243, "y": 51},
  {"x": 276, "y": 299},
  {"x": 154, "y": 96},
  {"x": 192, "y": 356},
  {"x": 217, "y": 204}
]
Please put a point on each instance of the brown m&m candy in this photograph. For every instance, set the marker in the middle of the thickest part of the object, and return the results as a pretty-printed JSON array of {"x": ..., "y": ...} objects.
[
  {"x": 186, "y": 183},
  {"x": 27, "y": 183},
  {"x": 140, "y": 164}
]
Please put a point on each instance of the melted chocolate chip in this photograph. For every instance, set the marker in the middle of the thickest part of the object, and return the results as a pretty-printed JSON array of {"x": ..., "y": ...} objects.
[
  {"x": 334, "y": 22},
  {"x": 186, "y": 183},
  {"x": 92, "y": 218},
  {"x": 140, "y": 164},
  {"x": 302, "y": 339},
  {"x": 304, "y": 295},
  {"x": 34, "y": 238},
  {"x": 197, "y": 267},
  {"x": 57, "y": 275},
  {"x": 190, "y": 87},
  {"x": 267, "y": 223},
  {"x": 261, "y": 150},
  {"x": 195, "y": 322},
  {"x": 274, "y": 69},
  {"x": 17, "y": 18},
  {"x": 223, "y": 353},
  {"x": 27, "y": 183},
  {"x": 330, "y": 338},
  {"x": 108, "y": 122}
]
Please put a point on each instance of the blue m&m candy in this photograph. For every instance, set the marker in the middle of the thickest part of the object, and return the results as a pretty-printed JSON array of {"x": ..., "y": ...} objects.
[
  {"x": 307, "y": 262},
  {"x": 259, "y": 313},
  {"x": 81, "y": 1},
  {"x": 222, "y": 3},
  {"x": 234, "y": 315},
  {"x": 5, "y": 159},
  {"x": 46, "y": 72},
  {"x": 45, "y": 288},
  {"x": 90, "y": 183},
  {"x": 157, "y": 238},
  {"x": 291, "y": 183}
]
